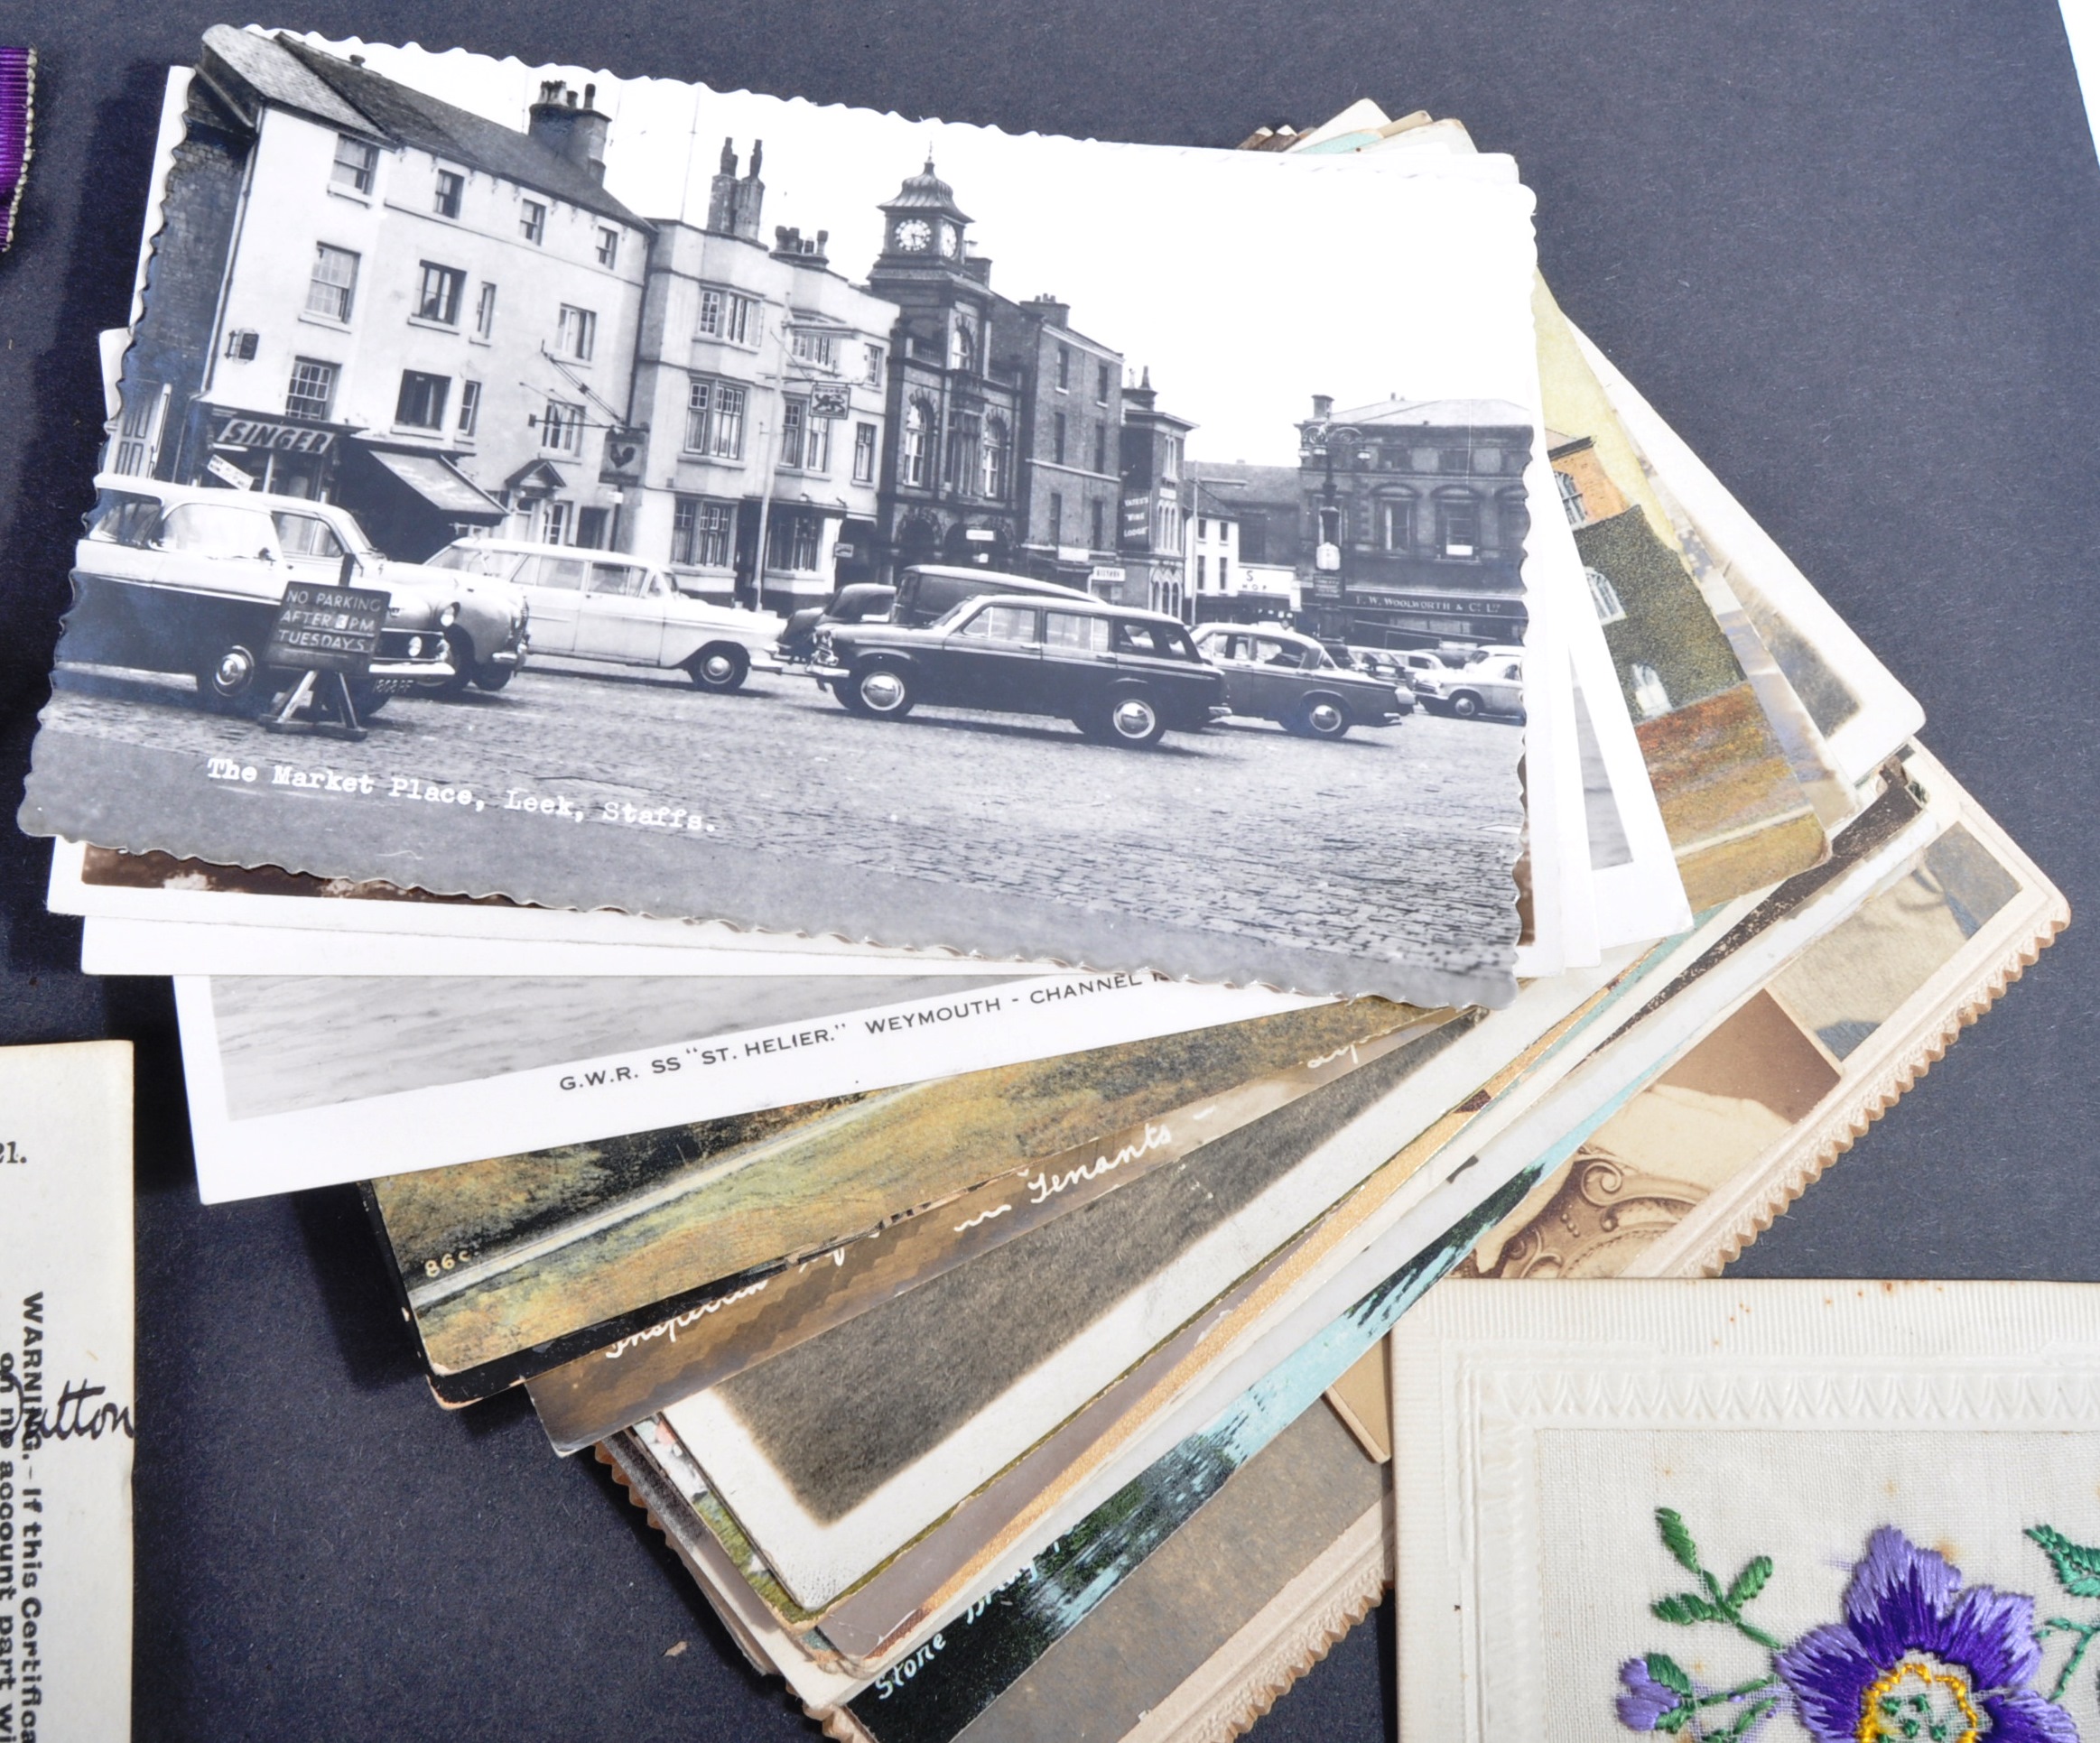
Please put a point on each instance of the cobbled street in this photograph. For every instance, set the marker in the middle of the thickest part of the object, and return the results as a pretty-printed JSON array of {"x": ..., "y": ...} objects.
[{"x": 1393, "y": 841}]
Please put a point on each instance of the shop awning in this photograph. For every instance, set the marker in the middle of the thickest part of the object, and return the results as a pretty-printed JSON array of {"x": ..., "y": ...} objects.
[{"x": 443, "y": 485}]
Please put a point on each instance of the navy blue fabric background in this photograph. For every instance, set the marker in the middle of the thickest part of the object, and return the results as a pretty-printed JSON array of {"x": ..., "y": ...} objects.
[{"x": 1849, "y": 247}]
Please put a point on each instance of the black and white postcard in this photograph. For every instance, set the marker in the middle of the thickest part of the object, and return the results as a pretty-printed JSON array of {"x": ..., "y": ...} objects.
[
  {"x": 297, "y": 1082},
  {"x": 610, "y": 493}
]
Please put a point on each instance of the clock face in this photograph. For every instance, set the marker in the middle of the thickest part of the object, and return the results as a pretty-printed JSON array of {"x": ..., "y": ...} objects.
[
  {"x": 948, "y": 239},
  {"x": 913, "y": 235}
]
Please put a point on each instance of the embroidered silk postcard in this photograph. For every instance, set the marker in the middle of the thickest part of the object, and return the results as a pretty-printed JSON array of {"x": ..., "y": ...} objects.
[
  {"x": 521, "y": 405},
  {"x": 1800, "y": 1509}
]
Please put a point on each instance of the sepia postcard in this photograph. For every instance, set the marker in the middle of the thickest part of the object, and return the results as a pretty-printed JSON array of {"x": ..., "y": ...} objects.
[
  {"x": 513, "y": 1266},
  {"x": 1103, "y": 1287},
  {"x": 1738, "y": 818},
  {"x": 1681, "y": 1179},
  {"x": 1799, "y": 1509},
  {"x": 603, "y": 410},
  {"x": 1862, "y": 711},
  {"x": 300, "y": 1083},
  {"x": 584, "y": 1400}
]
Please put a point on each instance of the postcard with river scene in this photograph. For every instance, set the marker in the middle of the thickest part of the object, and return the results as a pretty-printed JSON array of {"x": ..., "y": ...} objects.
[{"x": 612, "y": 493}]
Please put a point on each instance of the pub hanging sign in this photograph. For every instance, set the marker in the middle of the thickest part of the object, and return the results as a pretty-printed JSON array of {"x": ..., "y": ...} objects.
[{"x": 623, "y": 452}]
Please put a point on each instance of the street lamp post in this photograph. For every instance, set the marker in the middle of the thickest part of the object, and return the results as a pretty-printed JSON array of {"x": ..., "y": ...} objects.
[{"x": 1326, "y": 551}]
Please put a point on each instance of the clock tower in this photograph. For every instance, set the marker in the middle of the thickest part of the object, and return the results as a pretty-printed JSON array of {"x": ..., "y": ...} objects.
[
  {"x": 923, "y": 227},
  {"x": 950, "y": 471}
]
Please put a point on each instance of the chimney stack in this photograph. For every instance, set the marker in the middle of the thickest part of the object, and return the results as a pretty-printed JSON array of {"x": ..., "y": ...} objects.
[
  {"x": 1322, "y": 406},
  {"x": 734, "y": 205},
  {"x": 568, "y": 129}
]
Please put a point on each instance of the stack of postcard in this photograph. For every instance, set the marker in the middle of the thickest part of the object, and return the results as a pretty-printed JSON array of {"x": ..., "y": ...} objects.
[{"x": 572, "y": 675}]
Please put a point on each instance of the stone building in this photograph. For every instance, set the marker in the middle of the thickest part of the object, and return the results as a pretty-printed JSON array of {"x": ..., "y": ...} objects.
[
  {"x": 759, "y": 379},
  {"x": 1153, "y": 536},
  {"x": 950, "y": 479},
  {"x": 1004, "y": 421},
  {"x": 1415, "y": 519},
  {"x": 366, "y": 294},
  {"x": 1071, "y": 450}
]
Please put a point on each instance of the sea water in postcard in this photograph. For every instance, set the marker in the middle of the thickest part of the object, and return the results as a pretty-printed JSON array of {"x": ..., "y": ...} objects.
[
  {"x": 527, "y": 483},
  {"x": 1779, "y": 1509},
  {"x": 66, "y": 1420}
]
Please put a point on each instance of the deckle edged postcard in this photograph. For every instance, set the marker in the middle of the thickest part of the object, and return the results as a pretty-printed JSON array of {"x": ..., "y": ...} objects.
[
  {"x": 1787, "y": 1509},
  {"x": 592, "y": 399},
  {"x": 66, "y": 1423}
]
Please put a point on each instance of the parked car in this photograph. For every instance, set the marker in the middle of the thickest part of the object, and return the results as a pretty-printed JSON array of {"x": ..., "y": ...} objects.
[
  {"x": 489, "y": 636},
  {"x": 1491, "y": 686},
  {"x": 1272, "y": 674},
  {"x": 605, "y": 605},
  {"x": 861, "y": 602},
  {"x": 188, "y": 577},
  {"x": 1417, "y": 660},
  {"x": 924, "y": 592},
  {"x": 1122, "y": 676},
  {"x": 1378, "y": 662}
]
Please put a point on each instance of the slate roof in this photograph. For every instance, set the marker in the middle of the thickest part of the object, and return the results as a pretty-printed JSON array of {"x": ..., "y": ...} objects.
[
  {"x": 1254, "y": 486},
  {"x": 282, "y": 71}
]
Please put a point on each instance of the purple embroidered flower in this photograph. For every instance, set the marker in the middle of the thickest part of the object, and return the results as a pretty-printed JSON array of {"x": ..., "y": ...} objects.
[
  {"x": 1921, "y": 1656},
  {"x": 1646, "y": 1701}
]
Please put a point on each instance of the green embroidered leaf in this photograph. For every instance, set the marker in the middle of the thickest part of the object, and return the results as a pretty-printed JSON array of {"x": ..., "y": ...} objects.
[
  {"x": 1676, "y": 1539},
  {"x": 1668, "y": 1672},
  {"x": 2078, "y": 1567},
  {"x": 1746, "y": 1721},
  {"x": 1675, "y": 1719},
  {"x": 1750, "y": 1582},
  {"x": 1684, "y": 1609}
]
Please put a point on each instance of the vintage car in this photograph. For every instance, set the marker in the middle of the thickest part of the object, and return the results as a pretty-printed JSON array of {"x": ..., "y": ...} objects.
[
  {"x": 606, "y": 605},
  {"x": 186, "y": 578},
  {"x": 1494, "y": 685},
  {"x": 922, "y": 593},
  {"x": 859, "y": 602},
  {"x": 1273, "y": 673},
  {"x": 1123, "y": 677},
  {"x": 1381, "y": 663},
  {"x": 1417, "y": 661}
]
